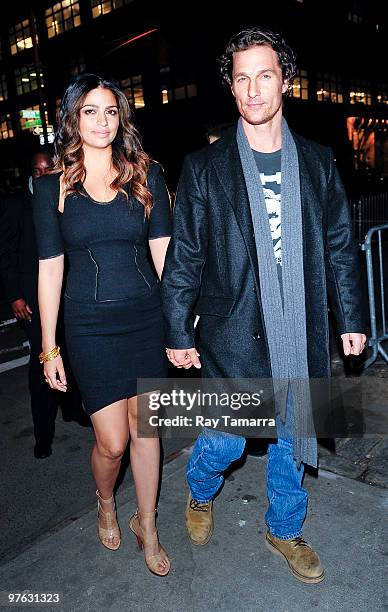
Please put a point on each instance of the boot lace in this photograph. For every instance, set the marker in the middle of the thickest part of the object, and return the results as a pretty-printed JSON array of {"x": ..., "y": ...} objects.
[
  {"x": 299, "y": 541},
  {"x": 199, "y": 506}
]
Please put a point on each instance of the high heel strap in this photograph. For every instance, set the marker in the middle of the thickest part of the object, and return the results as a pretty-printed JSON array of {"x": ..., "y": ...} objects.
[
  {"x": 152, "y": 561},
  {"x": 145, "y": 514},
  {"x": 102, "y": 499}
]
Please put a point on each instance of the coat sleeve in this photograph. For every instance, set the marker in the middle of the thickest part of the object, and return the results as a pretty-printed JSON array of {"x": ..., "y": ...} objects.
[
  {"x": 9, "y": 248},
  {"x": 342, "y": 262},
  {"x": 185, "y": 260}
]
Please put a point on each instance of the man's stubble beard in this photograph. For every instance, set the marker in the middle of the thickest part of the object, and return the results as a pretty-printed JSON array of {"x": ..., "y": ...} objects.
[{"x": 265, "y": 119}]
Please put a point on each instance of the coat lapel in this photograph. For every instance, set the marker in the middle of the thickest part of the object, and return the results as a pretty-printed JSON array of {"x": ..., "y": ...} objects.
[{"x": 230, "y": 174}]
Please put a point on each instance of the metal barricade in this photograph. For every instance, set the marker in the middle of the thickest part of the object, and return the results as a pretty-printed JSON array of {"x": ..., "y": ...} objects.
[
  {"x": 368, "y": 210},
  {"x": 377, "y": 315}
]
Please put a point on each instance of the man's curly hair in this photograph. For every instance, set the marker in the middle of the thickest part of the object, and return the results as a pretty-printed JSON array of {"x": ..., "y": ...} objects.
[{"x": 258, "y": 36}]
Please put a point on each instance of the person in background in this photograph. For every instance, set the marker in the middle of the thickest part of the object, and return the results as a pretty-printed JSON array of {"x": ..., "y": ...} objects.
[
  {"x": 19, "y": 274},
  {"x": 216, "y": 132}
]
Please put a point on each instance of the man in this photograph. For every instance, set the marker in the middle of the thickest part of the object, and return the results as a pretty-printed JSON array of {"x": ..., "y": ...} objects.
[
  {"x": 19, "y": 273},
  {"x": 261, "y": 234}
]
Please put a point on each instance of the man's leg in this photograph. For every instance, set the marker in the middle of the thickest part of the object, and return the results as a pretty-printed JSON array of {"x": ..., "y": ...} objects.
[
  {"x": 287, "y": 509},
  {"x": 213, "y": 453},
  {"x": 287, "y": 498}
]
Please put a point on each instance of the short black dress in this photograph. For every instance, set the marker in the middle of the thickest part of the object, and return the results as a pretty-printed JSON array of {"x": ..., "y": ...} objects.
[{"x": 113, "y": 319}]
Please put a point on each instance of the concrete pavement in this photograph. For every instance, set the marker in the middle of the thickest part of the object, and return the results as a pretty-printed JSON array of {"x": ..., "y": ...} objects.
[
  {"x": 48, "y": 540},
  {"x": 347, "y": 523}
]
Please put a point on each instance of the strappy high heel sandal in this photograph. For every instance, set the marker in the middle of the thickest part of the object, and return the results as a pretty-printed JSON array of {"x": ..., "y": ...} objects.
[
  {"x": 148, "y": 543},
  {"x": 108, "y": 529}
]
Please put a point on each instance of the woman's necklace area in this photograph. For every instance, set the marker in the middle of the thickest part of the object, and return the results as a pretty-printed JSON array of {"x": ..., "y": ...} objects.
[{"x": 107, "y": 180}]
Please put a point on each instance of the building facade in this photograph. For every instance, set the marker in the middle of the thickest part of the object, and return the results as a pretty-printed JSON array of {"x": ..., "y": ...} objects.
[{"x": 166, "y": 62}]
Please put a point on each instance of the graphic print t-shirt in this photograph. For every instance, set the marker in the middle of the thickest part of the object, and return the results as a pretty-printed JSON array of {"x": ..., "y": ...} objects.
[{"x": 269, "y": 166}]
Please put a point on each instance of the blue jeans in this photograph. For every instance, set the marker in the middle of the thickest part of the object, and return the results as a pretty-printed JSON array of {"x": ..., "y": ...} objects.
[{"x": 213, "y": 453}]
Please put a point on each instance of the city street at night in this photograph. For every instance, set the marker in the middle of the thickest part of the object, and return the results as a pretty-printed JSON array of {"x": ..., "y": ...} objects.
[{"x": 193, "y": 306}]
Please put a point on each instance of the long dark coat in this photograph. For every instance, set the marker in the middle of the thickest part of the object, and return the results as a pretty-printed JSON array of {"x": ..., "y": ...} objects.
[{"x": 212, "y": 270}]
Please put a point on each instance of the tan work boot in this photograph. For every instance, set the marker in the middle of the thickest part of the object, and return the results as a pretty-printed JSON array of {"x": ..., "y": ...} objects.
[
  {"x": 302, "y": 560},
  {"x": 199, "y": 521}
]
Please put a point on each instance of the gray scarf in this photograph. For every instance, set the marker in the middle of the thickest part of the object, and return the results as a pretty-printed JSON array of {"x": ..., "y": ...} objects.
[{"x": 285, "y": 322}]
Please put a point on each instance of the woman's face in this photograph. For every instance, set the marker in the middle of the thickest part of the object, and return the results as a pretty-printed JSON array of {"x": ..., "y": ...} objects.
[{"x": 99, "y": 118}]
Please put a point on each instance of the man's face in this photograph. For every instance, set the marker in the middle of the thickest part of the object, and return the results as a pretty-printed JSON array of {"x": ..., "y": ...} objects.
[
  {"x": 41, "y": 165},
  {"x": 257, "y": 84}
]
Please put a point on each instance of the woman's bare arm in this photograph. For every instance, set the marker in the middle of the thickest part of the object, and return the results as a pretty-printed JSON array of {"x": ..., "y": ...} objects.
[
  {"x": 49, "y": 296},
  {"x": 158, "y": 247}
]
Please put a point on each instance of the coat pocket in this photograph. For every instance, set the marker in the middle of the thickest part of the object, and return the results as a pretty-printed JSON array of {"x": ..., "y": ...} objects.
[{"x": 214, "y": 305}]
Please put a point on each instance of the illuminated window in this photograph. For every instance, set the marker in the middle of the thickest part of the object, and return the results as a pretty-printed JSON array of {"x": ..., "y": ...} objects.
[
  {"x": 300, "y": 86},
  {"x": 133, "y": 89},
  {"x": 102, "y": 7},
  {"x": 6, "y": 130},
  {"x": 329, "y": 88},
  {"x": 172, "y": 93},
  {"x": 78, "y": 66},
  {"x": 179, "y": 93},
  {"x": 165, "y": 91},
  {"x": 62, "y": 16},
  {"x": 359, "y": 93},
  {"x": 362, "y": 134},
  {"x": 356, "y": 11},
  {"x": 26, "y": 80},
  {"x": 3, "y": 88},
  {"x": 20, "y": 37},
  {"x": 382, "y": 97}
]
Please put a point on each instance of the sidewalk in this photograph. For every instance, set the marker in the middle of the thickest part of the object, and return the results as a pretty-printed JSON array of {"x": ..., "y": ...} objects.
[{"x": 347, "y": 523}]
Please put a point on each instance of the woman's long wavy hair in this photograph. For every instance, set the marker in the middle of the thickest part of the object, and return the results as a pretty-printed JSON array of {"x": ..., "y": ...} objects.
[{"x": 128, "y": 157}]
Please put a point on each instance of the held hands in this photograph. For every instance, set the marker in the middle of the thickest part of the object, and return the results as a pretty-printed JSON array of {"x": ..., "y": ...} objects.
[
  {"x": 54, "y": 373},
  {"x": 183, "y": 358},
  {"x": 353, "y": 344},
  {"x": 21, "y": 310}
]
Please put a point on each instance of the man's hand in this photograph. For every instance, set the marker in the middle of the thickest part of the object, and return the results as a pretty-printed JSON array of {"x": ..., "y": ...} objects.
[
  {"x": 21, "y": 310},
  {"x": 353, "y": 344},
  {"x": 184, "y": 358}
]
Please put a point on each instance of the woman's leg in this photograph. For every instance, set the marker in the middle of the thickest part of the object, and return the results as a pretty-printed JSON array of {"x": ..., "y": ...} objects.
[
  {"x": 145, "y": 458},
  {"x": 112, "y": 432},
  {"x": 145, "y": 461}
]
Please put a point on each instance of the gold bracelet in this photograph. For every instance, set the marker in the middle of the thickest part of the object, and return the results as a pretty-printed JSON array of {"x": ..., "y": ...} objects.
[{"x": 43, "y": 357}]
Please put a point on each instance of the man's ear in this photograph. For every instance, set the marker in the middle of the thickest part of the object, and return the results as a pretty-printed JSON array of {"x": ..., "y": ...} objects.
[
  {"x": 232, "y": 90},
  {"x": 285, "y": 86}
]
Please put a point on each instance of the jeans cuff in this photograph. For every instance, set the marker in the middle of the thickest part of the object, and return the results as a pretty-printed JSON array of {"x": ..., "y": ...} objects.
[{"x": 291, "y": 536}]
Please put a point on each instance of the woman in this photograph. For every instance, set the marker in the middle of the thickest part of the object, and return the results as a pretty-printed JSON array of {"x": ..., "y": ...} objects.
[{"x": 103, "y": 205}]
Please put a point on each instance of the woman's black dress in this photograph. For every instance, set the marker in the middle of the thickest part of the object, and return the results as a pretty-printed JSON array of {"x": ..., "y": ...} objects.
[{"x": 113, "y": 318}]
